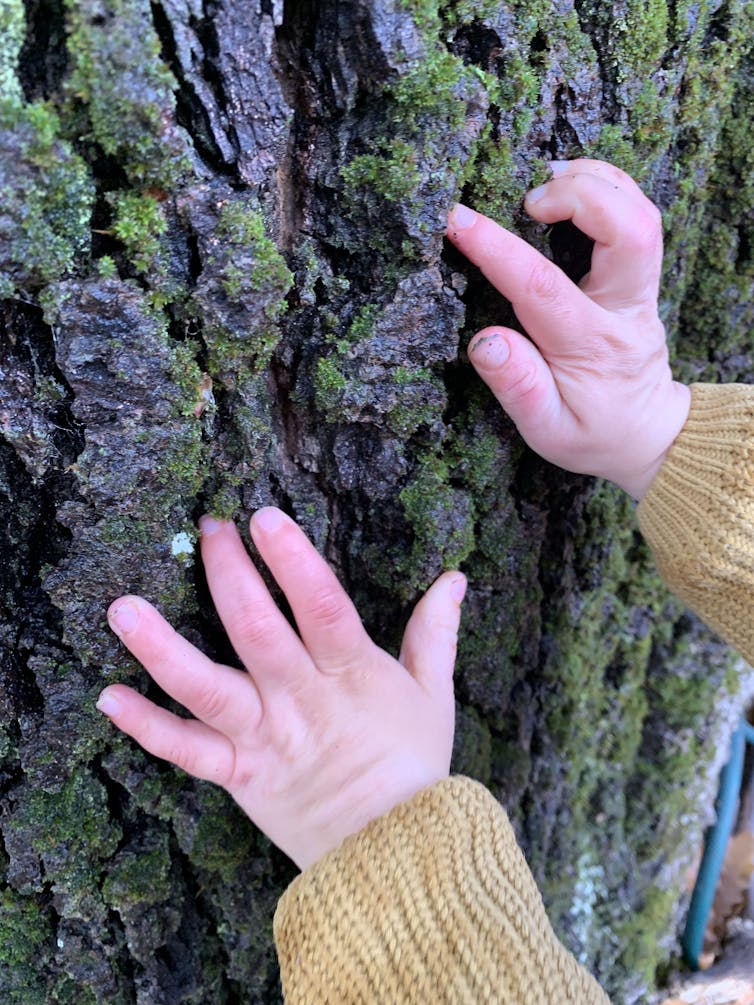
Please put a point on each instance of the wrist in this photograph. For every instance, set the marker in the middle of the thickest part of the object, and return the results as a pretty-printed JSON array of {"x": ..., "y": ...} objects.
[
  {"x": 373, "y": 795},
  {"x": 666, "y": 424}
]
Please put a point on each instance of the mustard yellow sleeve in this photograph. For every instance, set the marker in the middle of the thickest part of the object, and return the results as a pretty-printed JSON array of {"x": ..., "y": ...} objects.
[
  {"x": 698, "y": 515},
  {"x": 432, "y": 902}
]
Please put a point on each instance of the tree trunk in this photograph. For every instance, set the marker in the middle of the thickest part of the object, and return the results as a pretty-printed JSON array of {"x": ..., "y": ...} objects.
[{"x": 225, "y": 285}]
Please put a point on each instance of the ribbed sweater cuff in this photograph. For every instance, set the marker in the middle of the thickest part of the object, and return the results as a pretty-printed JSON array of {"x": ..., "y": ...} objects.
[
  {"x": 698, "y": 515},
  {"x": 434, "y": 903}
]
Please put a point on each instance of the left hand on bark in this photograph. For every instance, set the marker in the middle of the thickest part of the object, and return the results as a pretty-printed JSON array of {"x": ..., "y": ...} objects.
[
  {"x": 320, "y": 733},
  {"x": 591, "y": 389}
]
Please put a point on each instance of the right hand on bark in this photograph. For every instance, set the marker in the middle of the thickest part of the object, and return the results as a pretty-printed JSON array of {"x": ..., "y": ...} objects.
[
  {"x": 320, "y": 733},
  {"x": 592, "y": 391}
]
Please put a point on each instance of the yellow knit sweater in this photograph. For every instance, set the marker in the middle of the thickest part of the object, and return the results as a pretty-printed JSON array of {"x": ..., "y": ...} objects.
[
  {"x": 698, "y": 515},
  {"x": 434, "y": 903}
]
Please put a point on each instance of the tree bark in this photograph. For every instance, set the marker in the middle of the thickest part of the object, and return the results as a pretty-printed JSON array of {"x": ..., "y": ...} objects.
[{"x": 225, "y": 285}]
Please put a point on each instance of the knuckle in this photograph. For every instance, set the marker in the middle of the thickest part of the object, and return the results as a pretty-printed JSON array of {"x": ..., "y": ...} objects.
[
  {"x": 211, "y": 702},
  {"x": 446, "y": 628},
  {"x": 182, "y": 757},
  {"x": 602, "y": 216},
  {"x": 523, "y": 381},
  {"x": 252, "y": 625},
  {"x": 646, "y": 231},
  {"x": 543, "y": 282},
  {"x": 327, "y": 606}
]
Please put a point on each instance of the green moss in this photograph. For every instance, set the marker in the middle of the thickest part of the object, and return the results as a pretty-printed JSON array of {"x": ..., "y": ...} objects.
[
  {"x": 425, "y": 14},
  {"x": 433, "y": 88},
  {"x": 423, "y": 108},
  {"x": 613, "y": 145},
  {"x": 472, "y": 746},
  {"x": 6, "y": 744},
  {"x": 47, "y": 193},
  {"x": 70, "y": 992},
  {"x": 106, "y": 267},
  {"x": 140, "y": 876},
  {"x": 405, "y": 420},
  {"x": 72, "y": 832},
  {"x": 221, "y": 838},
  {"x": 640, "y": 38},
  {"x": 139, "y": 224},
  {"x": 392, "y": 172},
  {"x": 25, "y": 949},
  {"x": 188, "y": 376},
  {"x": 225, "y": 501},
  {"x": 441, "y": 517},
  {"x": 403, "y": 375},
  {"x": 329, "y": 384},
  {"x": 132, "y": 122},
  {"x": 639, "y": 933},
  {"x": 242, "y": 333},
  {"x": 455, "y": 13},
  {"x": 241, "y": 226},
  {"x": 76, "y": 817},
  {"x": 718, "y": 282},
  {"x": 331, "y": 373},
  {"x": 496, "y": 186},
  {"x": 359, "y": 329}
]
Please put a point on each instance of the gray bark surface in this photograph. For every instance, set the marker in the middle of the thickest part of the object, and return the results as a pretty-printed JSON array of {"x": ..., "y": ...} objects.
[{"x": 225, "y": 285}]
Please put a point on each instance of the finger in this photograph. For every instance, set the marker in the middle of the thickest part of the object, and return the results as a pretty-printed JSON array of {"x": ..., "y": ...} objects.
[
  {"x": 601, "y": 169},
  {"x": 551, "y": 308},
  {"x": 329, "y": 624},
  {"x": 625, "y": 226},
  {"x": 190, "y": 745},
  {"x": 429, "y": 644},
  {"x": 266, "y": 644},
  {"x": 221, "y": 697},
  {"x": 522, "y": 382}
]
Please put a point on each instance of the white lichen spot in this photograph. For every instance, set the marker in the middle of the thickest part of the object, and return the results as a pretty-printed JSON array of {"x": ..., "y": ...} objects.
[
  {"x": 12, "y": 34},
  {"x": 590, "y": 883},
  {"x": 182, "y": 546},
  {"x": 61, "y": 942}
]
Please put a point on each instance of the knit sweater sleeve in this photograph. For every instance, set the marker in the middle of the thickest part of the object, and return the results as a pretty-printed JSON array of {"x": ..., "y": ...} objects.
[
  {"x": 432, "y": 902},
  {"x": 698, "y": 515}
]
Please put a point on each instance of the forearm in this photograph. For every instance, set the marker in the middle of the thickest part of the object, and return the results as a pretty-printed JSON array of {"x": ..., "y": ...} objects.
[
  {"x": 432, "y": 902},
  {"x": 698, "y": 515}
]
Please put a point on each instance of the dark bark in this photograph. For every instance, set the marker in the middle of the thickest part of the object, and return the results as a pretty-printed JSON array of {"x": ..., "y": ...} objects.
[{"x": 254, "y": 194}]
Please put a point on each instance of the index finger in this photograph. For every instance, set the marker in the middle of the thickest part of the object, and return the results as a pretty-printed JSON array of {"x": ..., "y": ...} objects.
[{"x": 550, "y": 307}]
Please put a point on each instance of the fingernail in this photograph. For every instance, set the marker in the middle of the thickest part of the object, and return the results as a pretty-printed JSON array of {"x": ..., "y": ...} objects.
[
  {"x": 536, "y": 193},
  {"x": 268, "y": 519},
  {"x": 209, "y": 525},
  {"x": 108, "y": 704},
  {"x": 123, "y": 618},
  {"x": 558, "y": 167},
  {"x": 490, "y": 352},
  {"x": 461, "y": 217},
  {"x": 458, "y": 589}
]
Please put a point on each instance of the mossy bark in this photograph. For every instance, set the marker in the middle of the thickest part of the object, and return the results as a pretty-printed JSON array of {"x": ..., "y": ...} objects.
[{"x": 225, "y": 285}]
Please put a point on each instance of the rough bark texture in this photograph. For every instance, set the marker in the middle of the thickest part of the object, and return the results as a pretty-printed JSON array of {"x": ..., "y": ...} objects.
[{"x": 253, "y": 194}]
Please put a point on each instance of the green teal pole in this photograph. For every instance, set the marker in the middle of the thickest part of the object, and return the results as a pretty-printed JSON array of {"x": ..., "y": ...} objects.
[{"x": 716, "y": 842}]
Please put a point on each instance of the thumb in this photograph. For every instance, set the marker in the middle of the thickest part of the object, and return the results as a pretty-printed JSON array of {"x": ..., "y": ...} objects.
[
  {"x": 517, "y": 374},
  {"x": 428, "y": 651}
]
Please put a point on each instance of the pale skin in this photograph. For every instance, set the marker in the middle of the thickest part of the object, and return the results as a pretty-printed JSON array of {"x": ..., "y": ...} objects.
[
  {"x": 591, "y": 389},
  {"x": 322, "y": 731}
]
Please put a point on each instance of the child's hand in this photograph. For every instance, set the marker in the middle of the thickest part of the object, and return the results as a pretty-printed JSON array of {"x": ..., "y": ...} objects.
[
  {"x": 320, "y": 734},
  {"x": 592, "y": 392}
]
